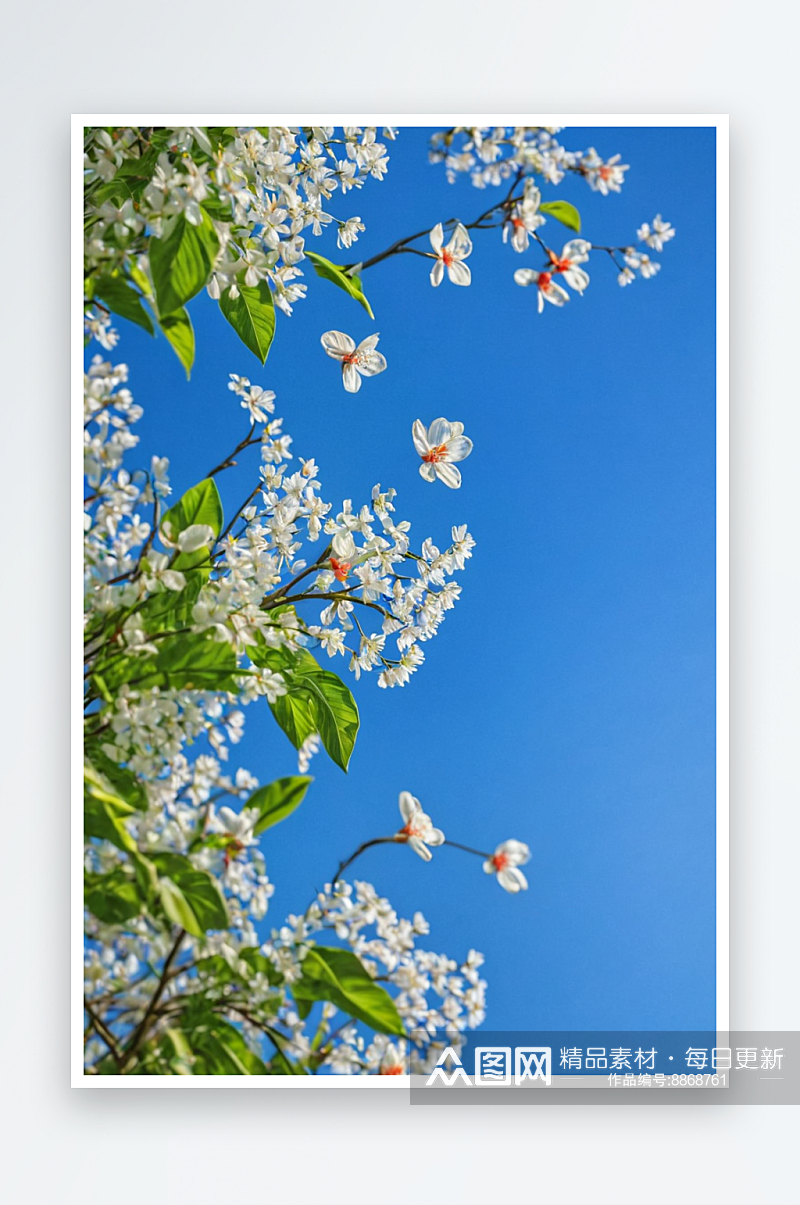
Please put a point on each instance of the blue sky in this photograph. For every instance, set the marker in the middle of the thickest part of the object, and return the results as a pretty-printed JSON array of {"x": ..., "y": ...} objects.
[{"x": 569, "y": 698}]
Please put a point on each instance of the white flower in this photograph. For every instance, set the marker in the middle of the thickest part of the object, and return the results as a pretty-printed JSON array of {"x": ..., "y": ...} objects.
[
  {"x": 451, "y": 256},
  {"x": 442, "y": 443},
  {"x": 523, "y": 221},
  {"x": 236, "y": 825},
  {"x": 661, "y": 233},
  {"x": 625, "y": 277},
  {"x": 418, "y": 829},
  {"x": 603, "y": 177},
  {"x": 192, "y": 538},
  {"x": 357, "y": 362},
  {"x": 547, "y": 289},
  {"x": 575, "y": 252},
  {"x": 505, "y": 863},
  {"x": 309, "y": 747},
  {"x": 349, "y": 232},
  {"x": 156, "y": 569},
  {"x": 259, "y": 403},
  {"x": 641, "y": 261}
]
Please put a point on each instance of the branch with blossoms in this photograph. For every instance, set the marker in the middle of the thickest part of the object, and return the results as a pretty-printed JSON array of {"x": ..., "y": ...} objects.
[
  {"x": 171, "y": 211},
  {"x": 191, "y": 617},
  {"x": 179, "y": 639}
]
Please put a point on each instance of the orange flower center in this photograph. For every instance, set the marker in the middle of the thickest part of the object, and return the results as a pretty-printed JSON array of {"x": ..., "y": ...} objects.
[
  {"x": 447, "y": 258},
  {"x": 392, "y": 1071},
  {"x": 559, "y": 265},
  {"x": 340, "y": 569},
  {"x": 518, "y": 223},
  {"x": 409, "y": 830},
  {"x": 544, "y": 281},
  {"x": 605, "y": 172},
  {"x": 500, "y": 861},
  {"x": 434, "y": 455},
  {"x": 350, "y": 358}
]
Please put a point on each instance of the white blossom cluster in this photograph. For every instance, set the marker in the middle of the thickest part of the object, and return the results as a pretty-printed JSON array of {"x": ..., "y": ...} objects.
[
  {"x": 264, "y": 558},
  {"x": 256, "y": 582},
  {"x": 492, "y": 155},
  {"x": 264, "y": 190},
  {"x": 437, "y": 998}
]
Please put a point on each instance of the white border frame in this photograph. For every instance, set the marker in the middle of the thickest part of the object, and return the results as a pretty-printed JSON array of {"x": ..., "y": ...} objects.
[{"x": 377, "y": 1083}]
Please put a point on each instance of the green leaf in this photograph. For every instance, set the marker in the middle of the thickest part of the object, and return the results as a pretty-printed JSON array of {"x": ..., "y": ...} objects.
[
  {"x": 112, "y": 898},
  {"x": 280, "y": 1065},
  {"x": 196, "y": 661},
  {"x": 191, "y": 661},
  {"x": 218, "y": 968},
  {"x": 125, "y": 783},
  {"x": 220, "y": 1049},
  {"x": 173, "y": 1054},
  {"x": 317, "y": 701},
  {"x": 104, "y": 810},
  {"x": 172, "y": 609},
  {"x": 179, "y": 331},
  {"x": 261, "y": 965},
  {"x": 123, "y": 300},
  {"x": 564, "y": 213},
  {"x": 293, "y": 713},
  {"x": 339, "y": 976},
  {"x": 351, "y": 284},
  {"x": 181, "y": 261},
  {"x": 333, "y": 709},
  {"x": 189, "y": 896},
  {"x": 278, "y": 800},
  {"x": 200, "y": 504},
  {"x": 252, "y": 316}
]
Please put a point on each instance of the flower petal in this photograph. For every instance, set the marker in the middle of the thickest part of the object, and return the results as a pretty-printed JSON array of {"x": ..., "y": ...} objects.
[
  {"x": 437, "y": 272},
  {"x": 368, "y": 344},
  {"x": 420, "y": 437},
  {"x": 437, "y": 237},
  {"x": 458, "y": 448},
  {"x": 439, "y": 432},
  {"x": 512, "y": 880},
  {"x": 460, "y": 245},
  {"x": 371, "y": 363},
  {"x": 449, "y": 474},
  {"x": 577, "y": 249},
  {"x": 408, "y": 805},
  {"x": 428, "y": 472},
  {"x": 352, "y": 381},
  {"x": 459, "y": 273},
  {"x": 554, "y": 294},
  {"x": 577, "y": 279},
  {"x": 526, "y": 276},
  {"x": 419, "y": 847},
  {"x": 337, "y": 344}
]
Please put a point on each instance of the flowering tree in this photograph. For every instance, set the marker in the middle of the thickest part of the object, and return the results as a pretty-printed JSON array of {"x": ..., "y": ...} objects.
[{"x": 192, "y": 615}]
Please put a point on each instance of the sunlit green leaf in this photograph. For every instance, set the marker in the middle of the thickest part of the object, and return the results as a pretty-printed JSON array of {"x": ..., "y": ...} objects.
[
  {"x": 339, "y": 976},
  {"x": 113, "y": 897},
  {"x": 563, "y": 212},
  {"x": 181, "y": 261},
  {"x": 351, "y": 284},
  {"x": 121, "y": 299},
  {"x": 190, "y": 897},
  {"x": 252, "y": 316},
  {"x": 278, "y": 800},
  {"x": 179, "y": 331}
]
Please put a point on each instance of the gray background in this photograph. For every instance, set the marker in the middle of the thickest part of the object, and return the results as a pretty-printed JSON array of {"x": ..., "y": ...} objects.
[{"x": 620, "y": 57}]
